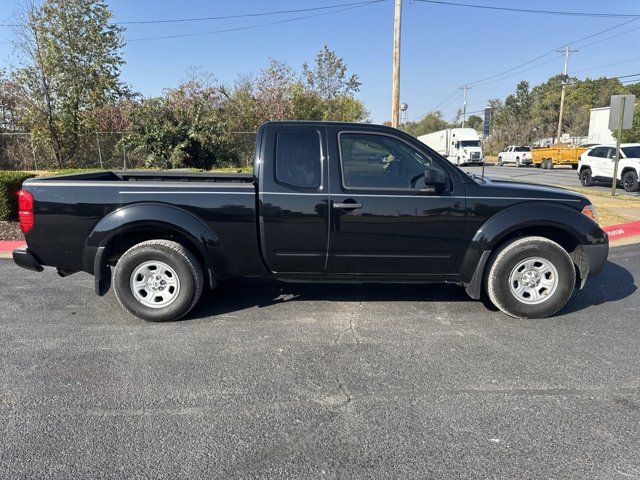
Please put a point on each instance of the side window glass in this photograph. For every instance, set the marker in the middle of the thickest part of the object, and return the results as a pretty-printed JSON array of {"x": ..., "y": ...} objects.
[
  {"x": 381, "y": 161},
  {"x": 596, "y": 152},
  {"x": 298, "y": 158}
]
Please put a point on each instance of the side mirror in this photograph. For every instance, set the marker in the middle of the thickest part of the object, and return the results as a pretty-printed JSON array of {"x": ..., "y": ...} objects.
[{"x": 434, "y": 177}]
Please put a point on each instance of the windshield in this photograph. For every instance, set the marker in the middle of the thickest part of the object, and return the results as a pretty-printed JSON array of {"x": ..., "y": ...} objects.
[
  {"x": 470, "y": 143},
  {"x": 523, "y": 149},
  {"x": 631, "y": 152}
]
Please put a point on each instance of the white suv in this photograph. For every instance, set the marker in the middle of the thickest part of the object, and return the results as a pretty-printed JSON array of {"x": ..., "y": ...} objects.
[
  {"x": 596, "y": 164},
  {"x": 518, "y": 155}
]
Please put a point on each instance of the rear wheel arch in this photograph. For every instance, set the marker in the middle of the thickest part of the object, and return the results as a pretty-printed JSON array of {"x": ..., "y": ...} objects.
[{"x": 133, "y": 224}]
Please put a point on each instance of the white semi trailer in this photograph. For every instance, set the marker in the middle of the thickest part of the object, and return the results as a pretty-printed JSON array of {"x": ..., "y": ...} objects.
[{"x": 458, "y": 145}]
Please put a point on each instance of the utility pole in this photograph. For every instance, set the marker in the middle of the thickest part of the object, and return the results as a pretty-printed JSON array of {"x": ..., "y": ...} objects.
[
  {"x": 464, "y": 88},
  {"x": 565, "y": 77},
  {"x": 395, "y": 100}
]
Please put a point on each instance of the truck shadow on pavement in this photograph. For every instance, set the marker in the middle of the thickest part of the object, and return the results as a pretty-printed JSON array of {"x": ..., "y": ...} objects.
[{"x": 613, "y": 284}]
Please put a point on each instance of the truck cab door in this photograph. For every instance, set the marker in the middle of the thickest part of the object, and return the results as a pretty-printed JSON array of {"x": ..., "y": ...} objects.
[
  {"x": 293, "y": 198},
  {"x": 384, "y": 219}
]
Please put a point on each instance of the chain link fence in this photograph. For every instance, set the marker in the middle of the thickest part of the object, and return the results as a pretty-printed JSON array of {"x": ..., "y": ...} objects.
[{"x": 105, "y": 150}]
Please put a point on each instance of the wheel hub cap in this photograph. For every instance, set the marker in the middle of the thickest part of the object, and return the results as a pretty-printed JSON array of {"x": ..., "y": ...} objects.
[
  {"x": 533, "y": 280},
  {"x": 154, "y": 284}
]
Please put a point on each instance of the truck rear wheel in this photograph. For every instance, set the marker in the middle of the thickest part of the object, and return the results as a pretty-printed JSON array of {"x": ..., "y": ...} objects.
[
  {"x": 158, "y": 280},
  {"x": 530, "y": 277}
]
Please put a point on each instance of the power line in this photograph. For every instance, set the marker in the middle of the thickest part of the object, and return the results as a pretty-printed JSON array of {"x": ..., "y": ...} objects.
[
  {"x": 226, "y": 17},
  {"x": 605, "y": 66},
  {"x": 249, "y": 27},
  {"x": 530, "y": 10},
  {"x": 515, "y": 74},
  {"x": 608, "y": 38},
  {"x": 453, "y": 93},
  {"x": 517, "y": 67}
]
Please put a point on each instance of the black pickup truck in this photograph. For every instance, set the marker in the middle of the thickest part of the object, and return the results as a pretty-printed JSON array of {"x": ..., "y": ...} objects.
[{"x": 326, "y": 202}]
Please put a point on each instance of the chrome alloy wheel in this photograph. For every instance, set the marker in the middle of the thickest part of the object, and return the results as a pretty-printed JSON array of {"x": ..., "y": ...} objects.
[
  {"x": 533, "y": 280},
  {"x": 154, "y": 284}
]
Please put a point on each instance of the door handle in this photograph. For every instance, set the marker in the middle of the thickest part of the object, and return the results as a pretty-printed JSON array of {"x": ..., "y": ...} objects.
[{"x": 351, "y": 206}]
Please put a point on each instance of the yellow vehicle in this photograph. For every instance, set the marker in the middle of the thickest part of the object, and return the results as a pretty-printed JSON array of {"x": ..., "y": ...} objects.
[{"x": 548, "y": 157}]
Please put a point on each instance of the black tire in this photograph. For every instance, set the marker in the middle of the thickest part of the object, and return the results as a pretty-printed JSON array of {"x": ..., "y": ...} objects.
[
  {"x": 544, "y": 164},
  {"x": 509, "y": 256},
  {"x": 630, "y": 181},
  {"x": 549, "y": 164},
  {"x": 586, "y": 179},
  {"x": 181, "y": 260},
  {"x": 574, "y": 166}
]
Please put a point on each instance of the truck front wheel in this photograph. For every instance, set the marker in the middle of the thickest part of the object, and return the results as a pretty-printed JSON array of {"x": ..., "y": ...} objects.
[
  {"x": 530, "y": 277},
  {"x": 158, "y": 280}
]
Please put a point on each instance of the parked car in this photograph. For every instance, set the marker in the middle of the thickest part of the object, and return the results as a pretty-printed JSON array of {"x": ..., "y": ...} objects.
[
  {"x": 326, "y": 202},
  {"x": 597, "y": 164},
  {"x": 516, "y": 154}
]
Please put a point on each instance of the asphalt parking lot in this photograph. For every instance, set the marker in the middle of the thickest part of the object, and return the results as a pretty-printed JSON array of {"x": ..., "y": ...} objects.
[
  {"x": 559, "y": 176},
  {"x": 306, "y": 381}
]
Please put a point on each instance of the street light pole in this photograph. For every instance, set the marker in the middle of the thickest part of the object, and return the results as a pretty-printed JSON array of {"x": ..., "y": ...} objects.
[{"x": 395, "y": 101}]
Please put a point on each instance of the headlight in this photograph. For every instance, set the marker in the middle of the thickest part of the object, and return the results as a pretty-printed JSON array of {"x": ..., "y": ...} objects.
[{"x": 590, "y": 211}]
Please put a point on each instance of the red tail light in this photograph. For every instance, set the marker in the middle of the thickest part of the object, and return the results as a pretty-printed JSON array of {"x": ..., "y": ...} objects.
[{"x": 25, "y": 210}]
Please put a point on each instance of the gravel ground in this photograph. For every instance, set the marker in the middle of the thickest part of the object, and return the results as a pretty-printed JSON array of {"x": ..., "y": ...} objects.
[{"x": 10, "y": 231}]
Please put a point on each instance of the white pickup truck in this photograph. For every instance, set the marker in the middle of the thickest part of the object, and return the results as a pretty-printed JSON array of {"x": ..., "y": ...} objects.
[
  {"x": 516, "y": 154},
  {"x": 597, "y": 164}
]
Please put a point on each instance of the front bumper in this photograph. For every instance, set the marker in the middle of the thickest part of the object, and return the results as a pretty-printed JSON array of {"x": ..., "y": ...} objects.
[
  {"x": 24, "y": 258},
  {"x": 597, "y": 257}
]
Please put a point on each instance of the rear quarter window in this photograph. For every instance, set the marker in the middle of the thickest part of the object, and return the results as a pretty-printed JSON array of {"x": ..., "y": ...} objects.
[{"x": 298, "y": 158}]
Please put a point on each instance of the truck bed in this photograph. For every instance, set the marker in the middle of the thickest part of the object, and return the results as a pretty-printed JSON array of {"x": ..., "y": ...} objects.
[
  {"x": 154, "y": 176},
  {"x": 69, "y": 209}
]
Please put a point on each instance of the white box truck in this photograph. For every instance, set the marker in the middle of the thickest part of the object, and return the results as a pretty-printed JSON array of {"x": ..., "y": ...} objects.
[{"x": 458, "y": 145}]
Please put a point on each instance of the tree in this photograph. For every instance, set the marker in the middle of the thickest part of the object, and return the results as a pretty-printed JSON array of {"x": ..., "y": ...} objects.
[
  {"x": 182, "y": 128},
  {"x": 71, "y": 59},
  {"x": 329, "y": 76},
  {"x": 431, "y": 122},
  {"x": 9, "y": 117},
  {"x": 475, "y": 122}
]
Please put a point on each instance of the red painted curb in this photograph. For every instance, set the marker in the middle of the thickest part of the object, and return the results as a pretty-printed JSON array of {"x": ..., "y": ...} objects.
[
  {"x": 616, "y": 232},
  {"x": 10, "y": 245}
]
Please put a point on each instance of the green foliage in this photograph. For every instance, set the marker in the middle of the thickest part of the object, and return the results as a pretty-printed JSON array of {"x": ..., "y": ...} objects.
[
  {"x": 475, "y": 122},
  {"x": 182, "y": 128},
  {"x": 204, "y": 124},
  {"x": 10, "y": 183},
  {"x": 66, "y": 75},
  {"x": 532, "y": 114},
  {"x": 633, "y": 134},
  {"x": 431, "y": 122},
  {"x": 329, "y": 77}
]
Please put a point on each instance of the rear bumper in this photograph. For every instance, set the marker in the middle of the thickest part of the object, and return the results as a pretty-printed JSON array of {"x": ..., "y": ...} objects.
[{"x": 23, "y": 258}]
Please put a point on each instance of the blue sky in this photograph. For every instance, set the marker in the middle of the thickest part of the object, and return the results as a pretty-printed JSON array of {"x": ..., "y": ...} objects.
[{"x": 443, "y": 47}]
